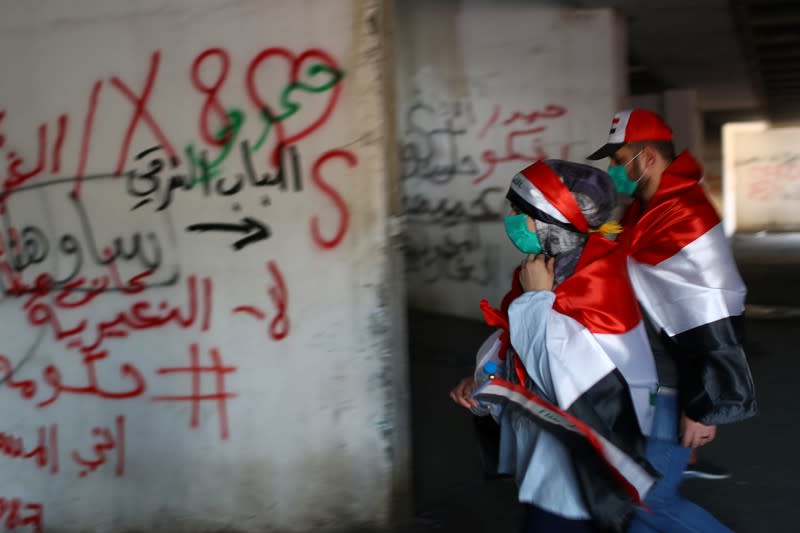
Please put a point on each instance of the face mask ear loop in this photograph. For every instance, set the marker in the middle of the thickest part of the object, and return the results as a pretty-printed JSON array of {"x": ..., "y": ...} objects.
[
  {"x": 634, "y": 157},
  {"x": 631, "y": 161}
]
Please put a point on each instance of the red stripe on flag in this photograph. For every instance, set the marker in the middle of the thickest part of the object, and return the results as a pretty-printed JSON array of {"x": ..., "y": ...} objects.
[
  {"x": 677, "y": 215},
  {"x": 556, "y": 193},
  {"x": 599, "y": 295}
]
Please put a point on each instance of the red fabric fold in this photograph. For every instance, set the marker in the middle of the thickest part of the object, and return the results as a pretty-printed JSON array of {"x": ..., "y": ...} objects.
[
  {"x": 599, "y": 294},
  {"x": 494, "y": 317},
  {"x": 498, "y": 318},
  {"x": 680, "y": 204}
]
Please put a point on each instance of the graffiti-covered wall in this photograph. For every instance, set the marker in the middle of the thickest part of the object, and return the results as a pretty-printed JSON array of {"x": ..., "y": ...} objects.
[
  {"x": 196, "y": 317},
  {"x": 762, "y": 177},
  {"x": 487, "y": 88}
]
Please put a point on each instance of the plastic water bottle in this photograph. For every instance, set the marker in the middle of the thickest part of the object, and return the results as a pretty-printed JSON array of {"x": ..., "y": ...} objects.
[
  {"x": 487, "y": 373},
  {"x": 489, "y": 370}
]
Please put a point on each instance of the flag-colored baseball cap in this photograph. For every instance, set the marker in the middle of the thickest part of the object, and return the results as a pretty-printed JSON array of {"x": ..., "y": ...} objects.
[{"x": 633, "y": 125}]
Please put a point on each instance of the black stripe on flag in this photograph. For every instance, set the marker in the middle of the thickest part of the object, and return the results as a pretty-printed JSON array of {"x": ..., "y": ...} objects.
[
  {"x": 716, "y": 384},
  {"x": 608, "y": 409},
  {"x": 608, "y": 494}
]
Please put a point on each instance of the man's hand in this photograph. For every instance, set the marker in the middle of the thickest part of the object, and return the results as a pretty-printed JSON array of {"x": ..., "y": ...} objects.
[
  {"x": 462, "y": 394},
  {"x": 537, "y": 273},
  {"x": 694, "y": 434}
]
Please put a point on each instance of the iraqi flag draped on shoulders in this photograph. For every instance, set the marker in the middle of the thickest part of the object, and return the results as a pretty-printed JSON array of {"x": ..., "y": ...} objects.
[
  {"x": 686, "y": 280},
  {"x": 601, "y": 367},
  {"x": 594, "y": 337}
]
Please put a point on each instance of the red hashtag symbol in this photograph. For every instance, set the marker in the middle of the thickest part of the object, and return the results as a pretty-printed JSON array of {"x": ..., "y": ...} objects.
[{"x": 220, "y": 395}]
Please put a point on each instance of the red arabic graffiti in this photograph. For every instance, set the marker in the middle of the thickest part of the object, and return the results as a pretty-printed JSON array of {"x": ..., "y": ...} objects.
[
  {"x": 71, "y": 312},
  {"x": 11, "y": 446},
  {"x": 281, "y": 116},
  {"x": 141, "y": 314},
  {"x": 128, "y": 372},
  {"x": 141, "y": 112},
  {"x": 19, "y": 514},
  {"x": 86, "y": 136},
  {"x": 107, "y": 440},
  {"x": 14, "y": 447},
  {"x": 275, "y": 115},
  {"x": 766, "y": 181},
  {"x": 521, "y": 144},
  {"x": 51, "y": 376},
  {"x": 17, "y": 176},
  {"x": 309, "y": 73},
  {"x": 335, "y": 197},
  {"x": 212, "y": 103},
  {"x": 279, "y": 326},
  {"x": 46, "y": 452},
  {"x": 63, "y": 121}
]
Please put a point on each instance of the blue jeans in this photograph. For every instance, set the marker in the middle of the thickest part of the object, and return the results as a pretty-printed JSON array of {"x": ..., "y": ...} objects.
[{"x": 669, "y": 511}]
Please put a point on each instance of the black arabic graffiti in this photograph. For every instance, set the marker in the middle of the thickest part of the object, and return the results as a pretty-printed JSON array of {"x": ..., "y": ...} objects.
[
  {"x": 430, "y": 149},
  {"x": 254, "y": 230},
  {"x": 448, "y": 256},
  {"x": 486, "y": 207},
  {"x": 30, "y": 245},
  {"x": 148, "y": 185}
]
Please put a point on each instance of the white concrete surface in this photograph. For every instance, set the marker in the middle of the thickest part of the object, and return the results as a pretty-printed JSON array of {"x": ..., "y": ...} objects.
[{"x": 203, "y": 387}]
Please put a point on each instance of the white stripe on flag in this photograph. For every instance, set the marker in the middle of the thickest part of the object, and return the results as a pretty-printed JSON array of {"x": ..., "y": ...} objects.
[
  {"x": 698, "y": 285},
  {"x": 577, "y": 360},
  {"x": 631, "y": 353},
  {"x": 531, "y": 194}
]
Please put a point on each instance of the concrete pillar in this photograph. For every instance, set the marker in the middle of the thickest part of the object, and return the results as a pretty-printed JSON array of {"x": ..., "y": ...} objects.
[
  {"x": 682, "y": 113},
  {"x": 202, "y": 305}
]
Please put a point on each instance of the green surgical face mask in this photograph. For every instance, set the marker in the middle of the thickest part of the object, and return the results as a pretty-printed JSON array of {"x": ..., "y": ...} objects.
[
  {"x": 619, "y": 175},
  {"x": 524, "y": 239},
  {"x": 623, "y": 184}
]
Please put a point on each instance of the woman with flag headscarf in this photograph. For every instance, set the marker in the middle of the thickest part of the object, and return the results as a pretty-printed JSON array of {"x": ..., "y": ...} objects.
[{"x": 568, "y": 374}]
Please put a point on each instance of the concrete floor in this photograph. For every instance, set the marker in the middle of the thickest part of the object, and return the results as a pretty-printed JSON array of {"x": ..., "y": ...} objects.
[{"x": 762, "y": 496}]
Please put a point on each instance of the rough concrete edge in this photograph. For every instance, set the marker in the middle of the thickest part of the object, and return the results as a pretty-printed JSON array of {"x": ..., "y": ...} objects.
[
  {"x": 387, "y": 324},
  {"x": 394, "y": 288}
]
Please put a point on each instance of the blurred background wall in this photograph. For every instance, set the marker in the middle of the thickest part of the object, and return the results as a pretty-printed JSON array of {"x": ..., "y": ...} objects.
[{"x": 483, "y": 90}]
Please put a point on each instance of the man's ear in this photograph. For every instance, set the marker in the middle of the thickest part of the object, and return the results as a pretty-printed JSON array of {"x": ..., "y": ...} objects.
[{"x": 649, "y": 156}]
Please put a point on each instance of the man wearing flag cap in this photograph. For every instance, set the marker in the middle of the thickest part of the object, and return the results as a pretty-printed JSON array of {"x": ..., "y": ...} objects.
[
  {"x": 571, "y": 369},
  {"x": 687, "y": 283}
]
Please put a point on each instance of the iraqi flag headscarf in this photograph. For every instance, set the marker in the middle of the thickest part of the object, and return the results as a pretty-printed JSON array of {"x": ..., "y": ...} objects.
[{"x": 600, "y": 361}]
